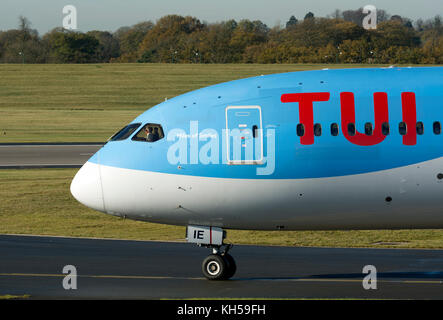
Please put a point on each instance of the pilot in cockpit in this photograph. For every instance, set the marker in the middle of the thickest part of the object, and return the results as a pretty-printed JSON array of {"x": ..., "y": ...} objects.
[{"x": 149, "y": 134}]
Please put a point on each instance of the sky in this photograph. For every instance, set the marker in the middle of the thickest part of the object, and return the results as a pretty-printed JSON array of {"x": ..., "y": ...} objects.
[{"x": 111, "y": 14}]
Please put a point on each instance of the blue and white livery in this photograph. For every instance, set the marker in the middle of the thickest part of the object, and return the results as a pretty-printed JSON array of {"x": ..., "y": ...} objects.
[{"x": 314, "y": 150}]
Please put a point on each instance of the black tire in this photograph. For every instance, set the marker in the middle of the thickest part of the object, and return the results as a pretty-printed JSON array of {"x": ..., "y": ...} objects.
[
  {"x": 231, "y": 266},
  {"x": 214, "y": 267}
]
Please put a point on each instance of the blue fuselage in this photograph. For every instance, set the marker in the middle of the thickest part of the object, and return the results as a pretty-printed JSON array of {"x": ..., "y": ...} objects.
[{"x": 328, "y": 156}]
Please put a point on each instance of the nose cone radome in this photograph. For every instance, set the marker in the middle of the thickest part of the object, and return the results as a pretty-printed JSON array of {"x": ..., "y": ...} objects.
[{"x": 86, "y": 187}]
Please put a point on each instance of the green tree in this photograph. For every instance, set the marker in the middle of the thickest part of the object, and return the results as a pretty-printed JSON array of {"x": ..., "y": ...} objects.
[
  {"x": 292, "y": 22},
  {"x": 215, "y": 47},
  {"x": 108, "y": 48},
  {"x": 309, "y": 15},
  {"x": 22, "y": 45},
  {"x": 433, "y": 51},
  {"x": 354, "y": 51},
  {"x": 247, "y": 33},
  {"x": 394, "y": 33},
  {"x": 130, "y": 38},
  {"x": 71, "y": 47},
  {"x": 169, "y": 41}
]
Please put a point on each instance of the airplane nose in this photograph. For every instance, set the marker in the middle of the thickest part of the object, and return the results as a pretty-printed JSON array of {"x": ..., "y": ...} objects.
[{"x": 86, "y": 187}]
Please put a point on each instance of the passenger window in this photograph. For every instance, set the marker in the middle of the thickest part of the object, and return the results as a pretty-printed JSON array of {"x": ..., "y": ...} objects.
[
  {"x": 351, "y": 129},
  {"x": 402, "y": 128},
  {"x": 385, "y": 128},
  {"x": 437, "y": 127},
  {"x": 368, "y": 129},
  {"x": 420, "y": 128},
  {"x": 300, "y": 130},
  {"x": 254, "y": 131},
  {"x": 317, "y": 129},
  {"x": 125, "y": 133},
  {"x": 150, "y": 133},
  {"x": 334, "y": 129}
]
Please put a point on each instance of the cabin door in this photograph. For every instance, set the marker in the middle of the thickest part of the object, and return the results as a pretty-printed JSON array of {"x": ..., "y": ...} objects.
[{"x": 244, "y": 135}]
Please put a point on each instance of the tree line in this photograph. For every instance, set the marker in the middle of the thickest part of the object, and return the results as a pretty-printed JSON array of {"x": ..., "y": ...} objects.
[{"x": 337, "y": 38}]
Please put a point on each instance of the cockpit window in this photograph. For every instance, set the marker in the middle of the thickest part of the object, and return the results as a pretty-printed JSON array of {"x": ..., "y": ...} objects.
[
  {"x": 150, "y": 133},
  {"x": 125, "y": 132}
]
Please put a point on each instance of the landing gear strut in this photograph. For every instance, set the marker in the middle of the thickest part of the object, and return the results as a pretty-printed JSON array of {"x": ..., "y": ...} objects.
[{"x": 220, "y": 265}]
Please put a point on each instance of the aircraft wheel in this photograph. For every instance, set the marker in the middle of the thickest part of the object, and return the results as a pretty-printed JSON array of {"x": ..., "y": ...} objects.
[
  {"x": 232, "y": 267},
  {"x": 215, "y": 267}
]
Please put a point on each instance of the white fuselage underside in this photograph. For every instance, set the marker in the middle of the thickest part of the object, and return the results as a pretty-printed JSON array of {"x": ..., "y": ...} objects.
[{"x": 346, "y": 202}]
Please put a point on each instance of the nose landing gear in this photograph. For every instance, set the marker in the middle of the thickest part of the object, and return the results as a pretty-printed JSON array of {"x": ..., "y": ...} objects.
[{"x": 220, "y": 265}]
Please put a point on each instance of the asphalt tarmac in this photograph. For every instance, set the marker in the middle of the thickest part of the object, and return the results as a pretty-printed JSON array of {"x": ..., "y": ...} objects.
[
  {"x": 117, "y": 269},
  {"x": 22, "y": 156}
]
